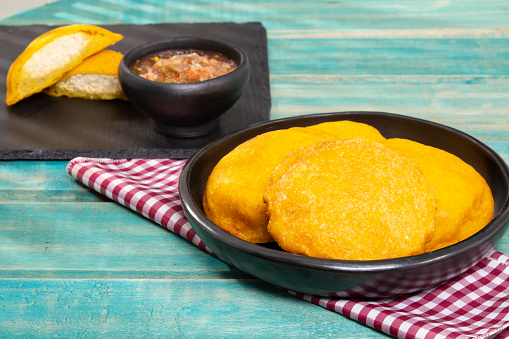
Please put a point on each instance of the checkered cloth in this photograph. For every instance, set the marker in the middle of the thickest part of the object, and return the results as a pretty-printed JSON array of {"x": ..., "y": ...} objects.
[{"x": 472, "y": 305}]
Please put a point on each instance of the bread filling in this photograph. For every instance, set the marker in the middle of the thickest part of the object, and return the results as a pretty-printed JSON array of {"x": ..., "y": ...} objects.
[
  {"x": 54, "y": 55},
  {"x": 89, "y": 86}
]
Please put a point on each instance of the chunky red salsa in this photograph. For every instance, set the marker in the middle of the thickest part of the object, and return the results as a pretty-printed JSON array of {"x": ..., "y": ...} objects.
[{"x": 183, "y": 66}]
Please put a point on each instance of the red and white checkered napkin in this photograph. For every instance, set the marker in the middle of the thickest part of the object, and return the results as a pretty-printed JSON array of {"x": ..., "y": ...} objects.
[{"x": 472, "y": 305}]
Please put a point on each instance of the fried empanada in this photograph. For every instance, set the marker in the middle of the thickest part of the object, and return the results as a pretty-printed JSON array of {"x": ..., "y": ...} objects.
[
  {"x": 353, "y": 200},
  {"x": 47, "y": 58},
  {"x": 464, "y": 199},
  {"x": 233, "y": 197}
]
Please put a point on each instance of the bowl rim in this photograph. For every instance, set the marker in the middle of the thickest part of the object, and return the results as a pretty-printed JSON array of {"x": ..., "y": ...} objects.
[
  {"x": 165, "y": 44},
  {"x": 191, "y": 208}
]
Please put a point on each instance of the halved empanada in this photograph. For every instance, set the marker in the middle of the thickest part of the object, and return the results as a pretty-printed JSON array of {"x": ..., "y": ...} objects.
[
  {"x": 51, "y": 55},
  {"x": 95, "y": 78}
]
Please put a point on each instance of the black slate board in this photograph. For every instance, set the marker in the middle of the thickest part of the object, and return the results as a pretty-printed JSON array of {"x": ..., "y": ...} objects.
[{"x": 47, "y": 128}]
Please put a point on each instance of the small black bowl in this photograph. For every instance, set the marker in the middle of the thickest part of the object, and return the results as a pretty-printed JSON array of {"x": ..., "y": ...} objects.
[
  {"x": 343, "y": 278},
  {"x": 189, "y": 109}
]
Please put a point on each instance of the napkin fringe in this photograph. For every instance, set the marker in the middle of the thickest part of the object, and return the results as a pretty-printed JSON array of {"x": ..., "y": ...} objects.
[{"x": 96, "y": 160}]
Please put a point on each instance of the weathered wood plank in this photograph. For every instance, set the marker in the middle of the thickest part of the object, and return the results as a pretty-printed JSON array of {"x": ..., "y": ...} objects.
[
  {"x": 41, "y": 181},
  {"x": 280, "y": 15},
  {"x": 388, "y": 56},
  {"x": 483, "y": 105},
  {"x": 96, "y": 240},
  {"x": 23, "y": 174},
  {"x": 138, "y": 308}
]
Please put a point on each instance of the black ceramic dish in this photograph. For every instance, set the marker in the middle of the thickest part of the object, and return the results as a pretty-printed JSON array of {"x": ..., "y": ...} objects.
[
  {"x": 190, "y": 109},
  {"x": 342, "y": 278}
]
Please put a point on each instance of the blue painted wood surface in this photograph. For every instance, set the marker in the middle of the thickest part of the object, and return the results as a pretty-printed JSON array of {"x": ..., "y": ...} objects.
[{"x": 74, "y": 264}]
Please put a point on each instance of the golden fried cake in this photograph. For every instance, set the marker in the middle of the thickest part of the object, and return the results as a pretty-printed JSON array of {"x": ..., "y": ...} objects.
[
  {"x": 233, "y": 197},
  {"x": 47, "y": 58},
  {"x": 464, "y": 200},
  {"x": 95, "y": 78},
  {"x": 351, "y": 199}
]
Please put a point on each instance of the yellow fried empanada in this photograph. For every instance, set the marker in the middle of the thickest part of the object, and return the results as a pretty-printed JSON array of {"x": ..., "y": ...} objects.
[
  {"x": 51, "y": 55},
  {"x": 353, "y": 200},
  {"x": 233, "y": 197},
  {"x": 464, "y": 200}
]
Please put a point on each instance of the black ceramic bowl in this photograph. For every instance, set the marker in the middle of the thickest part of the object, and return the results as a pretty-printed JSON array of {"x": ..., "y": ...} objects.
[
  {"x": 189, "y": 109},
  {"x": 343, "y": 278}
]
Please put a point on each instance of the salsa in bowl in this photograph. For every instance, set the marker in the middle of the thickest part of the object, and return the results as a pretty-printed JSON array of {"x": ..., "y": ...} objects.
[
  {"x": 183, "y": 66},
  {"x": 188, "y": 108}
]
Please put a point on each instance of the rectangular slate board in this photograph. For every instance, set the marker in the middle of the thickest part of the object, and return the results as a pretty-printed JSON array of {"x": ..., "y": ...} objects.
[{"x": 48, "y": 128}]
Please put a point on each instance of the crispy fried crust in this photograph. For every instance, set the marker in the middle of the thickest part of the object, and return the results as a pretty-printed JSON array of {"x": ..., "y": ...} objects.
[
  {"x": 464, "y": 199},
  {"x": 351, "y": 200},
  {"x": 104, "y": 62},
  {"x": 346, "y": 129}
]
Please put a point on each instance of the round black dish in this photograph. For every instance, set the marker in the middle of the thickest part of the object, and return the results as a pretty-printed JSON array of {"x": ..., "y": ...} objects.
[
  {"x": 342, "y": 278},
  {"x": 190, "y": 109}
]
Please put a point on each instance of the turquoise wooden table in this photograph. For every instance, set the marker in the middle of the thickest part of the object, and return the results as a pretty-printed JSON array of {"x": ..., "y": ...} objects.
[{"x": 74, "y": 264}]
